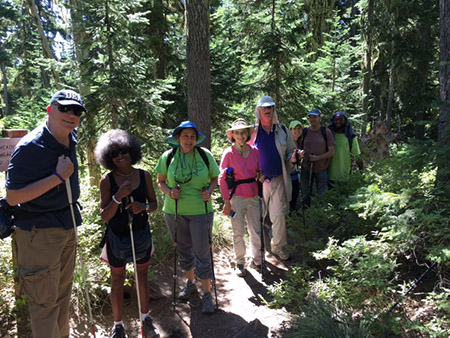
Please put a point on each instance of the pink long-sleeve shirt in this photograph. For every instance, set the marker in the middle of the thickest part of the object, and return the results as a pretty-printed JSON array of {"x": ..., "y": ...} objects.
[{"x": 244, "y": 168}]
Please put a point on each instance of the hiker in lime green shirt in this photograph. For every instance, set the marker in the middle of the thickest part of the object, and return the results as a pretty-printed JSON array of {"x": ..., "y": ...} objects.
[
  {"x": 187, "y": 175},
  {"x": 346, "y": 148}
]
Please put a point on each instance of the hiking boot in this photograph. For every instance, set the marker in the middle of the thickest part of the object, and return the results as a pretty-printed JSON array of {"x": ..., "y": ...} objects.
[
  {"x": 240, "y": 270},
  {"x": 280, "y": 253},
  {"x": 189, "y": 289},
  {"x": 208, "y": 306},
  {"x": 150, "y": 331},
  {"x": 118, "y": 331},
  {"x": 255, "y": 265}
]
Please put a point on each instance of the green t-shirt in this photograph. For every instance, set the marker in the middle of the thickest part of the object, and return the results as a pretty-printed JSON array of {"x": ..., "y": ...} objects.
[
  {"x": 340, "y": 163},
  {"x": 191, "y": 173}
]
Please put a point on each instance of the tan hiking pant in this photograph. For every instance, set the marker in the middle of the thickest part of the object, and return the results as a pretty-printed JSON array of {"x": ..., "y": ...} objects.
[{"x": 46, "y": 259}]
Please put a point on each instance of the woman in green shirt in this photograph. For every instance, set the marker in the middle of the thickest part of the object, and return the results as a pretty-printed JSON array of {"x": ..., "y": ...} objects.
[{"x": 187, "y": 176}]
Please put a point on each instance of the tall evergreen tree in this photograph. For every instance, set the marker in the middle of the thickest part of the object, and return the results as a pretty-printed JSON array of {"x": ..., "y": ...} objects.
[
  {"x": 198, "y": 66},
  {"x": 444, "y": 116}
]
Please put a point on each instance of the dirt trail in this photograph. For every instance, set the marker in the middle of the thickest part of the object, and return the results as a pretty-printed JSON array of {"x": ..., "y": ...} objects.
[{"x": 241, "y": 311}]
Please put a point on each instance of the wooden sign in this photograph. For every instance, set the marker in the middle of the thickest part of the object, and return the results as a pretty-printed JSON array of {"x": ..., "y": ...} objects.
[{"x": 7, "y": 145}]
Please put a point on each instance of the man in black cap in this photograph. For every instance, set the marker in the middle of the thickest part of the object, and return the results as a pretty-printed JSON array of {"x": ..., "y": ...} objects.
[
  {"x": 318, "y": 147},
  {"x": 46, "y": 244}
]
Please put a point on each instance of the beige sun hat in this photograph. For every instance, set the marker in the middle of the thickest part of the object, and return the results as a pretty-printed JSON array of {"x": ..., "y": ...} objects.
[{"x": 239, "y": 124}]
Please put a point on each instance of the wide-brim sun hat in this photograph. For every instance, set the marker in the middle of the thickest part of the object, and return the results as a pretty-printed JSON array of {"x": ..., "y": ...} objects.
[
  {"x": 294, "y": 124},
  {"x": 265, "y": 101},
  {"x": 239, "y": 124},
  {"x": 184, "y": 125}
]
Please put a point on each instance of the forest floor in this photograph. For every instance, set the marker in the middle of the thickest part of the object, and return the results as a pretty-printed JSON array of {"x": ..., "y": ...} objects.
[{"x": 241, "y": 313}]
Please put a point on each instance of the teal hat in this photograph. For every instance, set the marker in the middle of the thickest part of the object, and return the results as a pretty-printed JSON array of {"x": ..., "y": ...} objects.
[
  {"x": 294, "y": 124},
  {"x": 184, "y": 125}
]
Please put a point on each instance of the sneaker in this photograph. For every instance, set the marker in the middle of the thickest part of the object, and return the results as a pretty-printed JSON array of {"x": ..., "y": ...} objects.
[
  {"x": 240, "y": 270},
  {"x": 150, "y": 331},
  {"x": 118, "y": 331},
  {"x": 255, "y": 266},
  {"x": 208, "y": 306},
  {"x": 280, "y": 253},
  {"x": 189, "y": 289}
]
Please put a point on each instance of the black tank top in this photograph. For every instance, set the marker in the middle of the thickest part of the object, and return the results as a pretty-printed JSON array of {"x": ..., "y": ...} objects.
[{"x": 119, "y": 223}]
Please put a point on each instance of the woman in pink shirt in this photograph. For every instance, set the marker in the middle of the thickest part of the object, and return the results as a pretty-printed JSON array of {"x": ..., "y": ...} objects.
[{"x": 241, "y": 198}]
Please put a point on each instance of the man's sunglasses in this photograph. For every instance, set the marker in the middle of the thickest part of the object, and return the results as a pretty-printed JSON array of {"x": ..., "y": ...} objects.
[
  {"x": 77, "y": 110},
  {"x": 116, "y": 153},
  {"x": 267, "y": 107}
]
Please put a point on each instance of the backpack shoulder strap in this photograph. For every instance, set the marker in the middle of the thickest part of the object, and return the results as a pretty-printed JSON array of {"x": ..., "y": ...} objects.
[
  {"x": 304, "y": 132},
  {"x": 324, "y": 134},
  {"x": 170, "y": 157},
  {"x": 203, "y": 155}
]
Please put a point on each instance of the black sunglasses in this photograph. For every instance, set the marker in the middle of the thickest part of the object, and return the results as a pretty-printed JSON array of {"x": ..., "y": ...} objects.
[
  {"x": 267, "y": 107},
  {"x": 77, "y": 110},
  {"x": 116, "y": 153}
]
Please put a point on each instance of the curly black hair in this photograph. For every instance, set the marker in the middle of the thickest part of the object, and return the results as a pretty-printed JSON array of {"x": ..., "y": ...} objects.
[{"x": 116, "y": 139}]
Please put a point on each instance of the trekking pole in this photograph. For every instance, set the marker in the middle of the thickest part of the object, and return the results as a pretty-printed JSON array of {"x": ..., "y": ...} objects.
[
  {"x": 412, "y": 287},
  {"x": 261, "y": 220},
  {"x": 175, "y": 276},
  {"x": 83, "y": 271},
  {"x": 130, "y": 224},
  {"x": 210, "y": 251},
  {"x": 310, "y": 181}
]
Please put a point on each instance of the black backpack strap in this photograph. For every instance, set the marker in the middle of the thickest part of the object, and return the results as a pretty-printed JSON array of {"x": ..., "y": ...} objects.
[
  {"x": 304, "y": 132},
  {"x": 323, "y": 130},
  {"x": 236, "y": 183},
  {"x": 202, "y": 153},
  {"x": 170, "y": 157}
]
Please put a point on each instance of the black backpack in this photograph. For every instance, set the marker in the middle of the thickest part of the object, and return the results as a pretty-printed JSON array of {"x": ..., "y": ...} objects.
[
  {"x": 323, "y": 131},
  {"x": 201, "y": 151},
  {"x": 6, "y": 218}
]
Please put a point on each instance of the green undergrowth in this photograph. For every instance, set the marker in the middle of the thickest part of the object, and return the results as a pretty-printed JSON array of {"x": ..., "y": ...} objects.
[{"x": 364, "y": 244}]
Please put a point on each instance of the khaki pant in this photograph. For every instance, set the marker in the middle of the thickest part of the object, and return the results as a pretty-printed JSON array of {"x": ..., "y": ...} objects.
[
  {"x": 246, "y": 208},
  {"x": 278, "y": 207},
  {"x": 46, "y": 259}
]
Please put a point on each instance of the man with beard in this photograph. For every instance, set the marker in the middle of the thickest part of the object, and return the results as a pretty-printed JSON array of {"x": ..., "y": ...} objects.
[{"x": 346, "y": 147}]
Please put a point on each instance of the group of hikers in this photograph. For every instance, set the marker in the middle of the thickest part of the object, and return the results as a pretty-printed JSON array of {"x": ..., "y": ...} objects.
[{"x": 258, "y": 176}]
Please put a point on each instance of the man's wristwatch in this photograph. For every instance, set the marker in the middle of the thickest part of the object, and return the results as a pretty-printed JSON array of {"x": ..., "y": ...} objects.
[{"x": 147, "y": 207}]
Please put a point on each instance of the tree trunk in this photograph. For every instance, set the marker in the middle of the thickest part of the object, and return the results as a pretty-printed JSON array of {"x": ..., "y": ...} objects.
[
  {"x": 367, "y": 64},
  {"x": 198, "y": 66},
  {"x": 5, "y": 85},
  {"x": 81, "y": 45},
  {"x": 443, "y": 176},
  {"x": 45, "y": 46},
  {"x": 109, "y": 33},
  {"x": 157, "y": 30},
  {"x": 390, "y": 100},
  {"x": 277, "y": 62}
]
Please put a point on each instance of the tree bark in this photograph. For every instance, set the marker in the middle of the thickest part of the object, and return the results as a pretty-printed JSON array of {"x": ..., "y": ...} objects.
[
  {"x": 198, "y": 66},
  {"x": 443, "y": 176},
  {"x": 390, "y": 100}
]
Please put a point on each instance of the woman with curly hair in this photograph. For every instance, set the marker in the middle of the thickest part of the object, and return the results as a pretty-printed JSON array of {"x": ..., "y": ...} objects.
[{"x": 122, "y": 190}]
